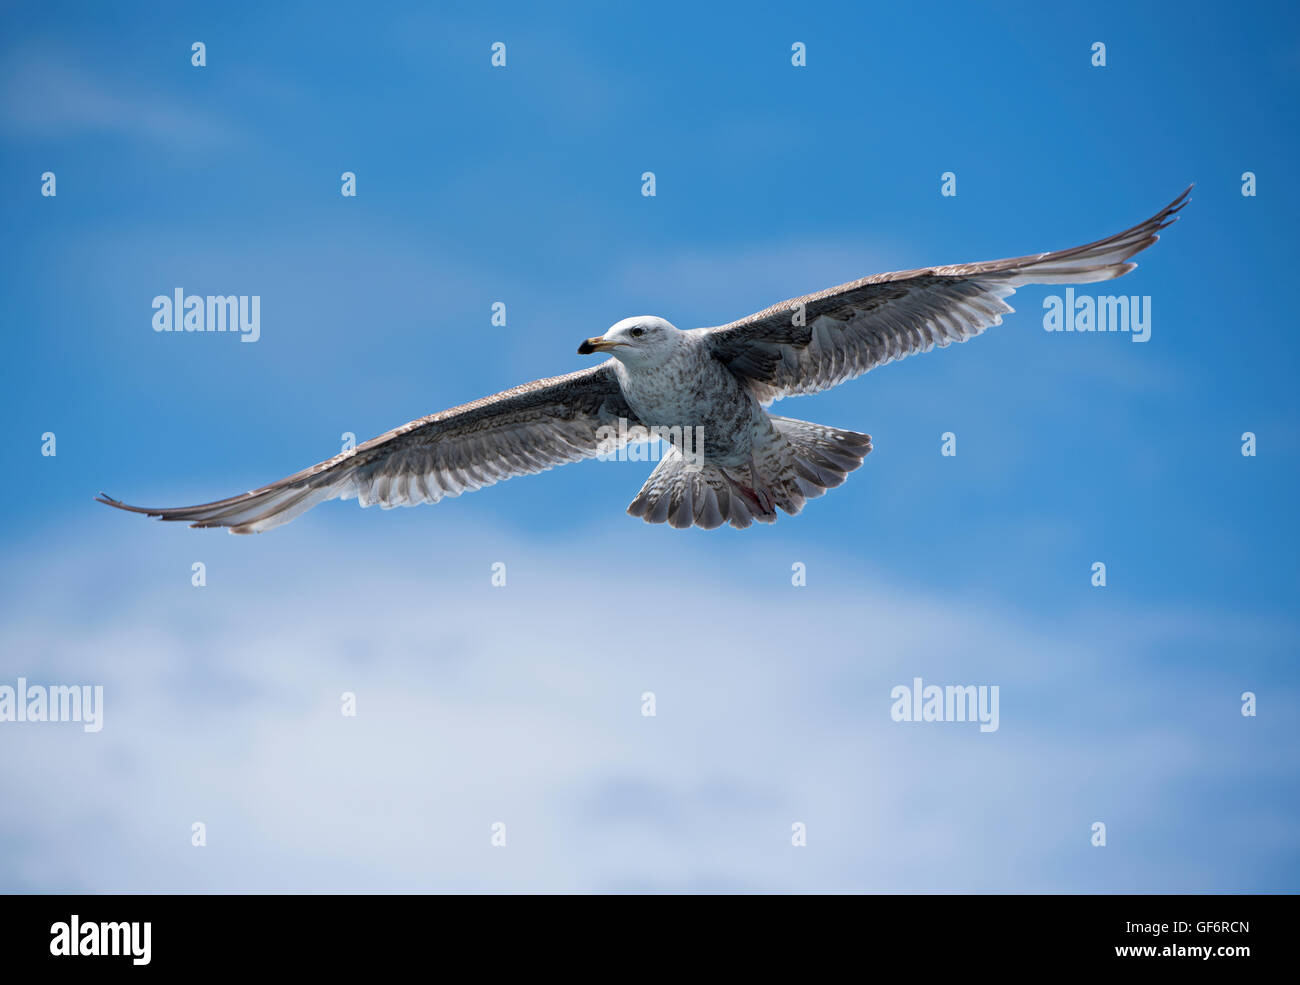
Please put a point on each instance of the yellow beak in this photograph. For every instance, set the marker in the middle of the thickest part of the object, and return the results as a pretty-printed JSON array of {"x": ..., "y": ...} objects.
[{"x": 598, "y": 344}]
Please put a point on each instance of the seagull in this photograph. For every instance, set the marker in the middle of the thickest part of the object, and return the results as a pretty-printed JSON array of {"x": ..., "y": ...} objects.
[{"x": 712, "y": 382}]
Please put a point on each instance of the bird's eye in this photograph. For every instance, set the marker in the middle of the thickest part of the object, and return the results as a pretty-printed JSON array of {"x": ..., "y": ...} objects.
[{"x": 636, "y": 333}]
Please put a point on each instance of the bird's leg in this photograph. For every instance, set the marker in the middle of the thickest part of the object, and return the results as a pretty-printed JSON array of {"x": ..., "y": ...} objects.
[{"x": 760, "y": 498}]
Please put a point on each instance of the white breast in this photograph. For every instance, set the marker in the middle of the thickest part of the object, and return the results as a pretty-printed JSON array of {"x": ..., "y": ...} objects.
[{"x": 691, "y": 389}]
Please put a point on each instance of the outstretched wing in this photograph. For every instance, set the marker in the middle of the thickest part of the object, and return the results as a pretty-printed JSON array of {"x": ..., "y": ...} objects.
[
  {"x": 814, "y": 342},
  {"x": 519, "y": 432}
]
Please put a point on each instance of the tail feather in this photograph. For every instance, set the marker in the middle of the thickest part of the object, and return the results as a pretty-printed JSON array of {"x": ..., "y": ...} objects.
[
  {"x": 684, "y": 496},
  {"x": 794, "y": 462}
]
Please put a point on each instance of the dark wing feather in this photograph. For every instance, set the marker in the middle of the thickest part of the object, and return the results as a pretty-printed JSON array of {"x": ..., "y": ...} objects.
[
  {"x": 814, "y": 342},
  {"x": 519, "y": 432}
]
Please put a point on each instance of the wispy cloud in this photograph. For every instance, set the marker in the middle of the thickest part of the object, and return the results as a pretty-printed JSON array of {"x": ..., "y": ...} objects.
[
  {"x": 522, "y": 705},
  {"x": 49, "y": 93}
]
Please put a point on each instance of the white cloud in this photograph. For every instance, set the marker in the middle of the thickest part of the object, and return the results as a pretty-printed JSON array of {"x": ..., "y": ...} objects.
[
  {"x": 522, "y": 705},
  {"x": 44, "y": 93}
]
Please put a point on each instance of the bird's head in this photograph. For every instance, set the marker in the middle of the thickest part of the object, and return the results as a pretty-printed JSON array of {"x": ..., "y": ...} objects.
[{"x": 640, "y": 340}]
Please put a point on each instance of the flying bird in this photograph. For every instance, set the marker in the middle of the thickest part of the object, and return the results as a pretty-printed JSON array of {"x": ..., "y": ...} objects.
[{"x": 714, "y": 382}]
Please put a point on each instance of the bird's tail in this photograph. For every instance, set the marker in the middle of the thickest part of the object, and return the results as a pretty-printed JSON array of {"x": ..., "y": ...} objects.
[{"x": 794, "y": 462}]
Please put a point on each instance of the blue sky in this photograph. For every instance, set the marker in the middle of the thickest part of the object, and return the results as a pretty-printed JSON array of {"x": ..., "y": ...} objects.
[{"x": 522, "y": 704}]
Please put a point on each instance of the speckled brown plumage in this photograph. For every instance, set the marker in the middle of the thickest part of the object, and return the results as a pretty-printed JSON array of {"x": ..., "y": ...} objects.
[{"x": 715, "y": 379}]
